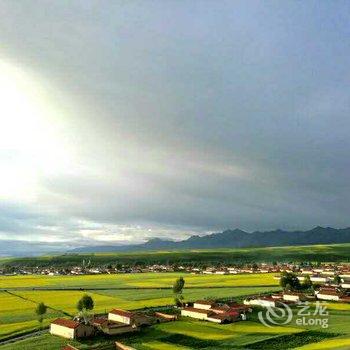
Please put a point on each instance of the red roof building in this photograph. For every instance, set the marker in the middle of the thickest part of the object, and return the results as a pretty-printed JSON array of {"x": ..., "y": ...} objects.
[{"x": 66, "y": 323}]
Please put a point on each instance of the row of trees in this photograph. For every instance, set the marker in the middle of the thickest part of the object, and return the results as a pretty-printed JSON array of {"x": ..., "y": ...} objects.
[
  {"x": 84, "y": 305},
  {"x": 290, "y": 281}
]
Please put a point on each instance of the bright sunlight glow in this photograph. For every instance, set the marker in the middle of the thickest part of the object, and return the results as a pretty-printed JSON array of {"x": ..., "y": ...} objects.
[{"x": 30, "y": 144}]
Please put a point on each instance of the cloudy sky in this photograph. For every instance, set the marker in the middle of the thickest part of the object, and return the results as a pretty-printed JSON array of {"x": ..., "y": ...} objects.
[{"x": 125, "y": 120}]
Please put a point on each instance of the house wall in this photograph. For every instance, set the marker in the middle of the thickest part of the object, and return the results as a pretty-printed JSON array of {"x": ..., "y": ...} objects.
[
  {"x": 142, "y": 320},
  {"x": 119, "y": 330},
  {"x": 201, "y": 306},
  {"x": 119, "y": 318},
  {"x": 266, "y": 303},
  {"x": 216, "y": 320},
  {"x": 197, "y": 315},
  {"x": 319, "y": 279},
  {"x": 84, "y": 331},
  {"x": 291, "y": 297},
  {"x": 327, "y": 297},
  {"x": 62, "y": 331},
  {"x": 260, "y": 302}
]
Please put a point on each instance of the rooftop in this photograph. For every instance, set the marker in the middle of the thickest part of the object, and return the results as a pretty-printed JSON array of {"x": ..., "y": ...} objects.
[
  {"x": 66, "y": 323},
  {"x": 205, "y": 302},
  {"x": 121, "y": 312},
  {"x": 200, "y": 311}
]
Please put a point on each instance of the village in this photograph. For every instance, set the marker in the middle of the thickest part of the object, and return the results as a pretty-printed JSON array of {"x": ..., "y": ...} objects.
[
  {"x": 319, "y": 273},
  {"x": 118, "y": 321}
]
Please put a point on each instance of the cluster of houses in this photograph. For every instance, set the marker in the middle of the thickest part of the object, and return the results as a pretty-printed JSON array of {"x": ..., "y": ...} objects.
[
  {"x": 324, "y": 275},
  {"x": 324, "y": 293},
  {"x": 320, "y": 273},
  {"x": 116, "y": 322},
  {"x": 119, "y": 321},
  {"x": 211, "y": 311}
]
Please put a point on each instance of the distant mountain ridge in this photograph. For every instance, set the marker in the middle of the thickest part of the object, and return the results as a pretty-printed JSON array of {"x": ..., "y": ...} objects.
[{"x": 235, "y": 239}]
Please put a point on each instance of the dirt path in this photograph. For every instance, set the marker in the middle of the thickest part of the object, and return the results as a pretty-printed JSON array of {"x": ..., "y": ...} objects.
[{"x": 22, "y": 337}]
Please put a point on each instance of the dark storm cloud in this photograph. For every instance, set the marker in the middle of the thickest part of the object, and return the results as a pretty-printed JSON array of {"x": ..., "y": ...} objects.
[{"x": 192, "y": 116}]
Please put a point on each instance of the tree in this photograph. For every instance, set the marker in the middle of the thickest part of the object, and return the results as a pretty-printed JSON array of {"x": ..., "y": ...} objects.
[
  {"x": 84, "y": 304},
  {"x": 177, "y": 290},
  {"x": 40, "y": 311},
  {"x": 307, "y": 283},
  {"x": 290, "y": 280},
  {"x": 337, "y": 279}
]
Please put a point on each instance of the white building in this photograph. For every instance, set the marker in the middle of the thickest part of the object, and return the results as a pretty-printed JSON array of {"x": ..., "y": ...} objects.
[
  {"x": 264, "y": 302},
  {"x": 328, "y": 295},
  {"x": 70, "y": 329},
  {"x": 320, "y": 279},
  {"x": 288, "y": 296},
  {"x": 203, "y": 304},
  {"x": 199, "y": 314},
  {"x": 122, "y": 316}
]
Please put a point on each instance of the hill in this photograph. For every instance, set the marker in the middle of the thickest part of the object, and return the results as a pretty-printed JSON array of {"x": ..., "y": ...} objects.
[{"x": 235, "y": 239}]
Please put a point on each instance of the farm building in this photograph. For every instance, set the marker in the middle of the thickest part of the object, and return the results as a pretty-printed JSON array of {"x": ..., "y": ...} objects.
[
  {"x": 296, "y": 297},
  {"x": 70, "y": 329},
  {"x": 209, "y": 315},
  {"x": 328, "y": 294},
  {"x": 203, "y": 304},
  {"x": 224, "y": 318},
  {"x": 130, "y": 318},
  {"x": 320, "y": 279},
  {"x": 345, "y": 299},
  {"x": 122, "y": 316},
  {"x": 240, "y": 308},
  {"x": 210, "y": 311},
  {"x": 200, "y": 314},
  {"x": 163, "y": 317},
  {"x": 113, "y": 328},
  {"x": 262, "y": 301}
]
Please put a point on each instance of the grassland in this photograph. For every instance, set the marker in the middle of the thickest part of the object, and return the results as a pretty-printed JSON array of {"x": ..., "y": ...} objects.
[
  {"x": 134, "y": 291},
  {"x": 142, "y": 280},
  {"x": 17, "y": 305},
  {"x": 312, "y": 253},
  {"x": 191, "y": 334}
]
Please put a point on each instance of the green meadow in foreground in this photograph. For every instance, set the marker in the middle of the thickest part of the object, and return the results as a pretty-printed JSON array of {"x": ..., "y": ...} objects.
[
  {"x": 192, "y": 334},
  {"x": 17, "y": 305}
]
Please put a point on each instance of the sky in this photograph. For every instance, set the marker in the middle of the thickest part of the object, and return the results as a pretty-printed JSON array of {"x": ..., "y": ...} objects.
[{"x": 128, "y": 120}]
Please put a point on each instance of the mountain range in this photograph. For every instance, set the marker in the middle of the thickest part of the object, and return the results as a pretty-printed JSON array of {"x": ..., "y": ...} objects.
[{"x": 235, "y": 239}]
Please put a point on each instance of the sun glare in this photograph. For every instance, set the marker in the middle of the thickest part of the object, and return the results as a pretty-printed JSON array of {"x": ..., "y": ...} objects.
[{"x": 30, "y": 145}]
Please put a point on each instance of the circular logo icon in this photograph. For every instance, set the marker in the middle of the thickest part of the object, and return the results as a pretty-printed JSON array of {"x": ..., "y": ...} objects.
[{"x": 276, "y": 316}]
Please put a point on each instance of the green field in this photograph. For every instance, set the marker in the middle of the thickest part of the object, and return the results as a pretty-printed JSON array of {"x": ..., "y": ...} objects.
[
  {"x": 16, "y": 313},
  {"x": 189, "y": 334},
  {"x": 19, "y": 298},
  {"x": 141, "y": 280},
  {"x": 312, "y": 253},
  {"x": 17, "y": 305}
]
